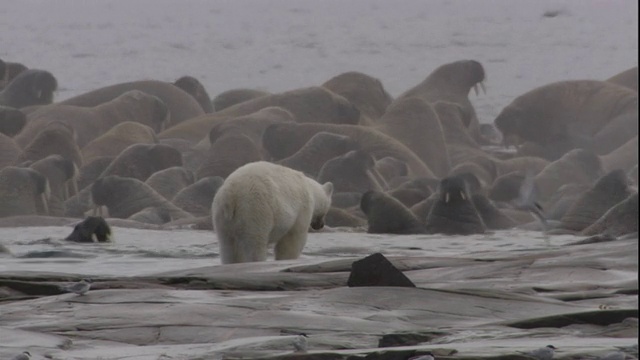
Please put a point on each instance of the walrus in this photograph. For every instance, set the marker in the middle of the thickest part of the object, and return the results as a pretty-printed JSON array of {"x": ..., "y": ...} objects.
[
  {"x": 124, "y": 197},
  {"x": 563, "y": 199},
  {"x": 54, "y": 138},
  {"x": 30, "y": 87},
  {"x": 11, "y": 121},
  {"x": 608, "y": 191},
  {"x": 414, "y": 123},
  {"x": 227, "y": 154},
  {"x": 61, "y": 174},
  {"x": 461, "y": 146},
  {"x": 196, "y": 198},
  {"x": 351, "y": 172},
  {"x": 91, "y": 229},
  {"x": 492, "y": 217},
  {"x": 170, "y": 181},
  {"x": 390, "y": 168},
  {"x": 452, "y": 83},
  {"x": 178, "y": 103},
  {"x": 23, "y": 191},
  {"x": 118, "y": 138},
  {"x": 235, "y": 96},
  {"x": 453, "y": 213},
  {"x": 625, "y": 157},
  {"x": 91, "y": 122},
  {"x": 321, "y": 148},
  {"x": 195, "y": 88},
  {"x": 338, "y": 217},
  {"x": 577, "y": 166},
  {"x": 345, "y": 200},
  {"x": 620, "y": 220},
  {"x": 9, "y": 151},
  {"x": 252, "y": 125},
  {"x": 139, "y": 161},
  {"x": 309, "y": 105},
  {"x": 283, "y": 140},
  {"x": 387, "y": 215},
  {"x": 414, "y": 191},
  {"x": 408, "y": 196},
  {"x": 11, "y": 70},
  {"x": 152, "y": 215},
  {"x": 627, "y": 78},
  {"x": 618, "y": 131},
  {"x": 566, "y": 114},
  {"x": 91, "y": 171},
  {"x": 365, "y": 92},
  {"x": 217, "y": 124}
]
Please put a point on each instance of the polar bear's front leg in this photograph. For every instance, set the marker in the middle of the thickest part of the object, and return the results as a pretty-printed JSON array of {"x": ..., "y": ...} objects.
[{"x": 290, "y": 246}]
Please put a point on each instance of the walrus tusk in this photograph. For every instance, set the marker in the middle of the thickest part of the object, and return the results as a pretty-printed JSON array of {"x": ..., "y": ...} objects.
[
  {"x": 372, "y": 178},
  {"x": 380, "y": 179},
  {"x": 484, "y": 89},
  {"x": 462, "y": 195},
  {"x": 475, "y": 88},
  {"x": 446, "y": 197}
]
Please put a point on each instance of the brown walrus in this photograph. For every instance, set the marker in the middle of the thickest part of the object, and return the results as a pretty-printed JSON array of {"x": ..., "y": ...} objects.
[
  {"x": 351, "y": 172},
  {"x": 321, "y": 148},
  {"x": 365, "y": 92},
  {"x": 453, "y": 213},
  {"x": 627, "y": 78},
  {"x": 29, "y": 87},
  {"x": 139, "y": 161},
  {"x": 567, "y": 114},
  {"x": 621, "y": 219},
  {"x": 608, "y": 191},
  {"x": 91, "y": 122},
  {"x": 124, "y": 197},
  {"x": 387, "y": 215},
  {"x": 413, "y": 122},
  {"x": 55, "y": 138},
  {"x": 283, "y": 140},
  {"x": 178, "y": 103},
  {"x": 23, "y": 191},
  {"x": 452, "y": 83},
  {"x": 118, "y": 138}
]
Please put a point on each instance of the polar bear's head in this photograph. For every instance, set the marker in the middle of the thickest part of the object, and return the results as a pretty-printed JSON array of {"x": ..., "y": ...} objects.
[{"x": 322, "y": 203}]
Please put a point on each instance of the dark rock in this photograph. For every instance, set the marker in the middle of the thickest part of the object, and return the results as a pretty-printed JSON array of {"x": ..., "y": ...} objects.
[
  {"x": 406, "y": 339},
  {"x": 602, "y": 318},
  {"x": 376, "y": 270}
]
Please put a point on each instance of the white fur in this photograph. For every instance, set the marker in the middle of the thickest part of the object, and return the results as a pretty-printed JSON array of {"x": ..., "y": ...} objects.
[{"x": 262, "y": 204}]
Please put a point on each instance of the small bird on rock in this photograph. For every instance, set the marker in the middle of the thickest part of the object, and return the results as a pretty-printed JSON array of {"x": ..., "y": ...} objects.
[
  {"x": 79, "y": 288},
  {"x": 300, "y": 343},
  {"x": 24, "y": 356}
]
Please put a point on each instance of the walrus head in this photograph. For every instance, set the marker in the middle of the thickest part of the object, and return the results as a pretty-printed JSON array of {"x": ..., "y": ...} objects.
[
  {"x": 91, "y": 229},
  {"x": 11, "y": 121},
  {"x": 194, "y": 88},
  {"x": 453, "y": 189},
  {"x": 30, "y": 87},
  {"x": 463, "y": 75},
  {"x": 508, "y": 122}
]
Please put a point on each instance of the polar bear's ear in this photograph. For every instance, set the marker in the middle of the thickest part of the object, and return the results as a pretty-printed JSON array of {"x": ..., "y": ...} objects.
[{"x": 328, "y": 188}]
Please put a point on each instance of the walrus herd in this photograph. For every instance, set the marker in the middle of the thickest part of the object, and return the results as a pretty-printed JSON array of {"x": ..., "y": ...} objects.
[{"x": 156, "y": 152}]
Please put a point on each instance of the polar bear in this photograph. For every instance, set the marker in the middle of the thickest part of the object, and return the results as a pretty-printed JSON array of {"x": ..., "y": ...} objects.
[{"x": 262, "y": 204}]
